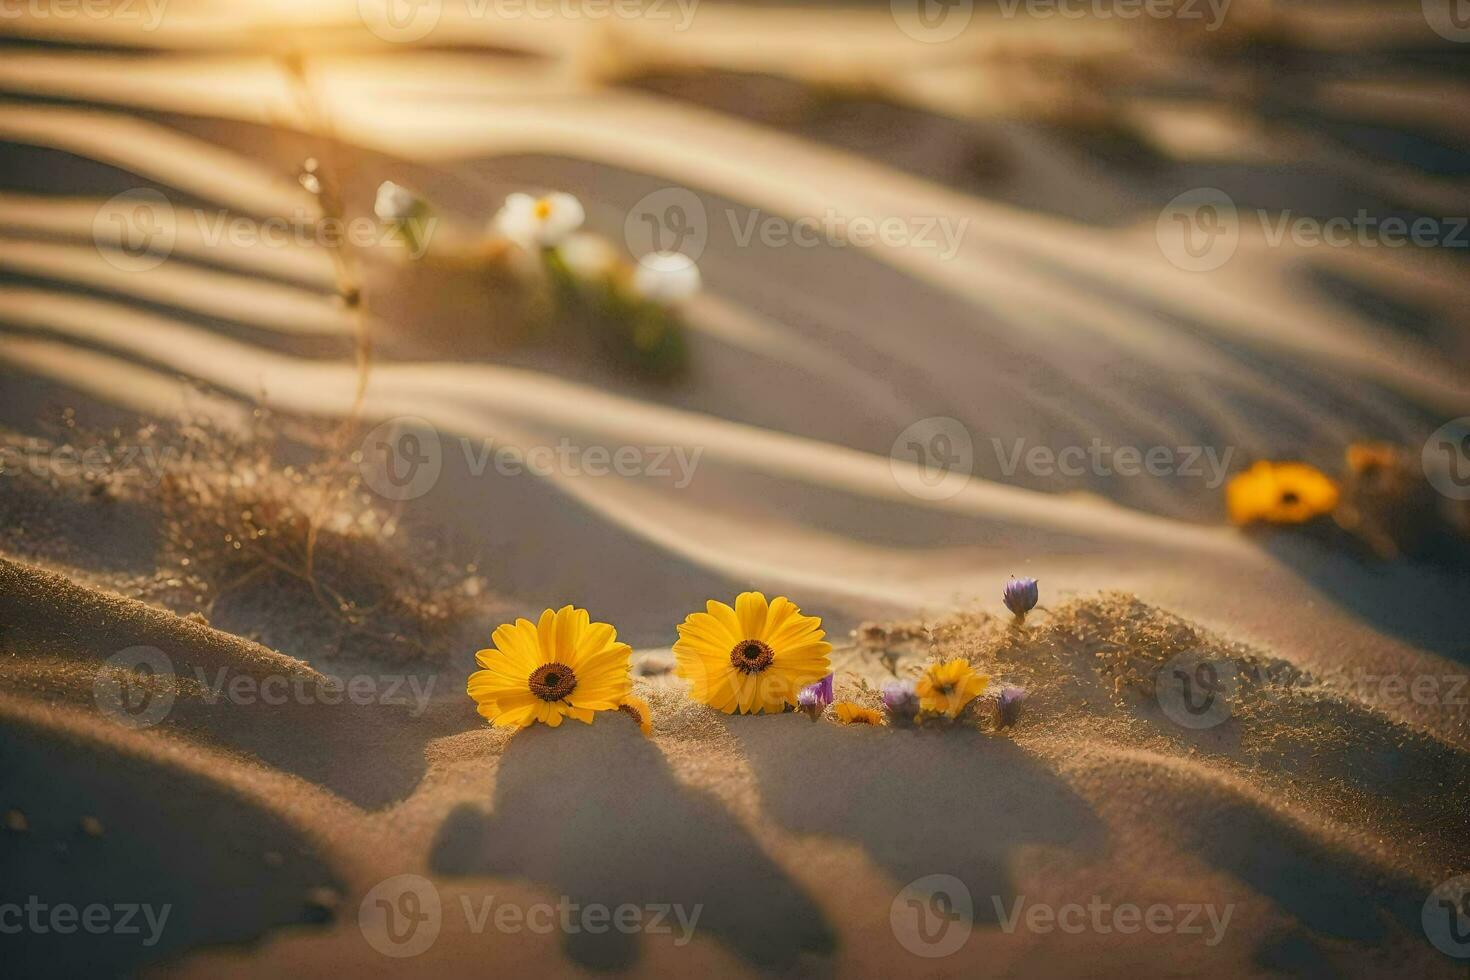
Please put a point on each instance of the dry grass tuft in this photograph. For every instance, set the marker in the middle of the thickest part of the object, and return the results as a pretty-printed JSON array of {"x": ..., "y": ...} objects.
[
  {"x": 245, "y": 531},
  {"x": 220, "y": 525}
]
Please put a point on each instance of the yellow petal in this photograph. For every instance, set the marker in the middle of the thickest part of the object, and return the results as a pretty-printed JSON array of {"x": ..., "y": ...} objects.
[{"x": 750, "y": 610}]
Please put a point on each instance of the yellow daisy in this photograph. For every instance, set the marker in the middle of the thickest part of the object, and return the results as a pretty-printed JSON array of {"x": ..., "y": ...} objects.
[
  {"x": 754, "y": 658},
  {"x": 563, "y": 666},
  {"x": 946, "y": 688},
  {"x": 852, "y": 713},
  {"x": 637, "y": 709},
  {"x": 1280, "y": 493}
]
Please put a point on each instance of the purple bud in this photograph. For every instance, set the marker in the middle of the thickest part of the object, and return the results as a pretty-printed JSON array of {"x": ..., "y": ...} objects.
[
  {"x": 1008, "y": 706},
  {"x": 901, "y": 701},
  {"x": 814, "y": 698},
  {"x": 1021, "y": 596}
]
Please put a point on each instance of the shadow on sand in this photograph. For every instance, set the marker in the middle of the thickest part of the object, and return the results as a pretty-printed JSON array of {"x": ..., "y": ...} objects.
[
  {"x": 599, "y": 817},
  {"x": 1420, "y": 603},
  {"x": 920, "y": 802},
  {"x": 173, "y": 862}
]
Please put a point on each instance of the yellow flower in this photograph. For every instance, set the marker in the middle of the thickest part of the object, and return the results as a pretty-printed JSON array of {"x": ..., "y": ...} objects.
[
  {"x": 754, "y": 658},
  {"x": 946, "y": 688},
  {"x": 637, "y": 709},
  {"x": 1279, "y": 493},
  {"x": 1370, "y": 457},
  {"x": 563, "y": 666},
  {"x": 852, "y": 713}
]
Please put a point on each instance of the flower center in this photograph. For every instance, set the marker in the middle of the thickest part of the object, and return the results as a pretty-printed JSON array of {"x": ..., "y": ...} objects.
[
  {"x": 542, "y": 209},
  {"x": 553, "y": 681},
  {"x": 631, "y": 712},
  {"x": 1290, "y": 497},
  {"x": 751, "y": 656}
]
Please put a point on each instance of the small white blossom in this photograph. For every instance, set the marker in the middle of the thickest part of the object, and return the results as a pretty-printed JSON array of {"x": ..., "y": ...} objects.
[
  {"x": 539, "y": 222},
  {"x": 665, "y": 277},
  {"x": 395, "y": 203},
  {"x": 588, "y": 256}
]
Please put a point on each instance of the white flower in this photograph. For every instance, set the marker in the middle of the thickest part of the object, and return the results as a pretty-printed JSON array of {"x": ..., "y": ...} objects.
[
  {"x": 395, "y": 203},
  {"x": 542, "y": 222},
  {"x": 666, "y": 276},
  {"x": 589, "y": 256}
]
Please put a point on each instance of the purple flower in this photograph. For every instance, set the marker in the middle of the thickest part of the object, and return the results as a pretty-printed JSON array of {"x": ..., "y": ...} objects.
[
  {"x": 1008, "y": 706},
  {"x": 1020, "y": 596},
  {"x": 901, "y": 702},
  {"x": 814, "y": 698}
]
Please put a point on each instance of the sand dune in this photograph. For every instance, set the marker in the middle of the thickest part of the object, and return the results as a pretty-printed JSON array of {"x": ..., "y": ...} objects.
[{"x": 1315, "y": 818}]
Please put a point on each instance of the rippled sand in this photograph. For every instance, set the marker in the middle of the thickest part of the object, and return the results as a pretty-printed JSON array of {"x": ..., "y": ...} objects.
[{"x": 1319, "y": 814}]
